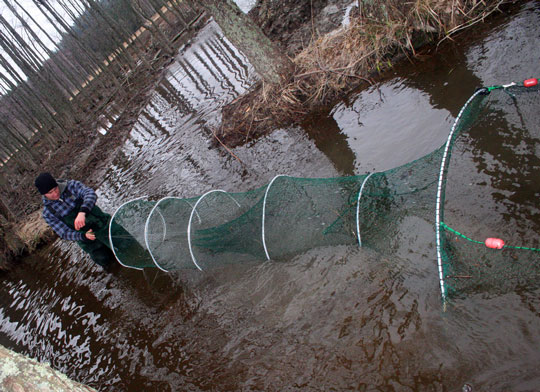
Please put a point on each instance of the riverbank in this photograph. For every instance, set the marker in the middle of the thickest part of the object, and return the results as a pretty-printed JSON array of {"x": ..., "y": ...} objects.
[
  {"x": 374, "y": 37},
  {"x": 328, "y": 68},
  {"x": 85, "y": 156}
]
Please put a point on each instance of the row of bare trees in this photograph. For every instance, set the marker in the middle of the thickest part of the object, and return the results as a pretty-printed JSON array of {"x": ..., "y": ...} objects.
[
  {"x": 87, "y": 63},
  {"x": 44, "y": 67},
  {"x": 68, "y": 62},
  {"x": 59, "y": 77}
]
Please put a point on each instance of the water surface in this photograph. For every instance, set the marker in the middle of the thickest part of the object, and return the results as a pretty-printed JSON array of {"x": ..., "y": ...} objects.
[{"x": 333, "y": 318}]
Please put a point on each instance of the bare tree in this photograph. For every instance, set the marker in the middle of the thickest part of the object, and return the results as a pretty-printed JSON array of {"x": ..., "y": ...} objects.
[
  {"x": 268, "y": 60},
  {"x": 78, "y": 69}
]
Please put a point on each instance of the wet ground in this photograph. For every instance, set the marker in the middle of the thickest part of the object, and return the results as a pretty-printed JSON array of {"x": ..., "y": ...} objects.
[{"x": 333, "y": 318}]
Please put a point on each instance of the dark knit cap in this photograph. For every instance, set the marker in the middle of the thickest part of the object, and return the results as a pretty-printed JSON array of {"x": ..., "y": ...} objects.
[{"x": 45, "y": 182}]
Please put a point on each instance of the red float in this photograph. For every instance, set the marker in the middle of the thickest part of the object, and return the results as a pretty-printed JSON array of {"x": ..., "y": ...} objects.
[
  {"x": 494, "y": 243},
  {"x": 530, "y": 82}
]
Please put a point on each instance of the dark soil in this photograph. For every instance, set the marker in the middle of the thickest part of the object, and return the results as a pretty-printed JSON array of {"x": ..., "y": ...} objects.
[{"x": 293, "y": 24}]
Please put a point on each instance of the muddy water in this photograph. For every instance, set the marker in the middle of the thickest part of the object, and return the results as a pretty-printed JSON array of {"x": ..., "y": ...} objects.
[{"x": 334, "y": 318}]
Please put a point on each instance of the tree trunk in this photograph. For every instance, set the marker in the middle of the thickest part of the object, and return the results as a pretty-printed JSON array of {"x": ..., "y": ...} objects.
[{"x": 268, "y": 60}]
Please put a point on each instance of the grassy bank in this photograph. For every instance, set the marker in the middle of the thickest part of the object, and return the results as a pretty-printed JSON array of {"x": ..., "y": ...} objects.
[
  {"x": 24, "y": 237},
  {"x": 332, "y": 65}
]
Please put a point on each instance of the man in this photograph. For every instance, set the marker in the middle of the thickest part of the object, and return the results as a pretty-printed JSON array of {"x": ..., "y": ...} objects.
[{"x": 71, "y": 211}]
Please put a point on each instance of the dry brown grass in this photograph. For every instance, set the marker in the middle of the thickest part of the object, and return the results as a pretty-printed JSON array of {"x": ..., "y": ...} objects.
[
  {"x": 33, "y": 231},
  {"x": 17, "y": 239},
  {"x": 336, "y": 63}
]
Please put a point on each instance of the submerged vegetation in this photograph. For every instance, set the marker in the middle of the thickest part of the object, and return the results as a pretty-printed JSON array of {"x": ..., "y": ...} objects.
[{"x": 334, "y": 64}]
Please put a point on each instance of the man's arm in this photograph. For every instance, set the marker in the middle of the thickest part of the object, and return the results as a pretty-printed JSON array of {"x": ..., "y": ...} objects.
[
  {"x": 79, "y": 190},
  {"x": 60, "y": 228},
  {"x": 89, "y": 198}
]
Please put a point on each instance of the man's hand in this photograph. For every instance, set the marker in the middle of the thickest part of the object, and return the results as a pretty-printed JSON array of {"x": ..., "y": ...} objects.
[
  {"x": 90, "y": 235},
  {"x": 80, "y": 220}
]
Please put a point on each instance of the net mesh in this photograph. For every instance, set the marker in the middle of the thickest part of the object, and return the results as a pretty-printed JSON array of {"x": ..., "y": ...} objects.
[
  {"x": 490, "y": 189},
  {"x": 290, "y": 215}
]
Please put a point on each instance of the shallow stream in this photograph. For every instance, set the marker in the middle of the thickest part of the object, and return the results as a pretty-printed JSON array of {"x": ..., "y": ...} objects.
[{"x": 333, "y": 318}]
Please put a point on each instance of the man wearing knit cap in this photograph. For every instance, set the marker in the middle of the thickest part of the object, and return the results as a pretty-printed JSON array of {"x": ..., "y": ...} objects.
[{"x": 71, "y": 211}]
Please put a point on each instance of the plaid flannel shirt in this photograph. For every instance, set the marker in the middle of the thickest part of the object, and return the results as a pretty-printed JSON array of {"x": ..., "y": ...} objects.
[{"x": 66, "y": 204}]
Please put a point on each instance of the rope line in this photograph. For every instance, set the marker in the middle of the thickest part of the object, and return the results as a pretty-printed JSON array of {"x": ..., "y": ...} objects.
[
  {"x": 453, "y": 231},
  {"x": 444, "y": 225}
]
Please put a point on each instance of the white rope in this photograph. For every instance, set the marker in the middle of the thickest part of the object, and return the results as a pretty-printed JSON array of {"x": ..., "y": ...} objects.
[
  {"x": 164, "y": 230},
  {"x": 146, "y": 227},
  {"x": 264, "y": 214},
  {"x": 438, "y": 209},
  {"x": 110, "y": 234},
  {"x": 193, "y": 211},
  {"x": 358, "y": 209}
]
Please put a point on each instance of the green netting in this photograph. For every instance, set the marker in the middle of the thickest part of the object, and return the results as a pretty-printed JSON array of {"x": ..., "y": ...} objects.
[
  {"x": 126, "y": 234},
  {"x": 508, "y": 118},
  {"x": 290, "y": 215}
]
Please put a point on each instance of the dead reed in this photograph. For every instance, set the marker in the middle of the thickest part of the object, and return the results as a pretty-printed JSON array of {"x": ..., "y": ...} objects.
[{"x": 338, "y": 62}]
